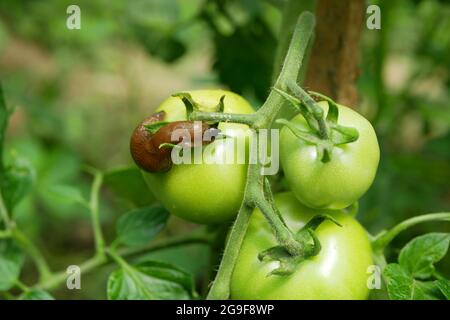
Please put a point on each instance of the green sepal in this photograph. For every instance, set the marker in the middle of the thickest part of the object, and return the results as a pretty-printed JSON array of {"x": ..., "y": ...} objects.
[
  {"x": 343, "y": 135},
  {"x": 221, "y": 106},
  {"x": 189, "y": 103},
  {"x": 317, "y": 220},
  {"x": 300, "y": 107},
  {"x": 324, "y": 148},
  {"x": 310, "y": 104},
  {"x": 287, "y": 262},
  {"x": 310, "y": 247},
  {"x": 155, "y": 126},
  {"x": 167, "y": 145},
  {"x": 333, "y": 111},
  {"x": 304, "y": 135}
]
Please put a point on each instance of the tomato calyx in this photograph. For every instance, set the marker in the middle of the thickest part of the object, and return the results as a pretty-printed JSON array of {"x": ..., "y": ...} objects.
[
  {"x": 192, "y": 106},
  {"x": 310, "y": 247},
  {"x": 325, "y": 133}
]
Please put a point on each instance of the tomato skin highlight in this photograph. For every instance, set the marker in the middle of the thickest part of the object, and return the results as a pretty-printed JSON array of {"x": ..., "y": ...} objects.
[
  {"x": 343, "y": 180},
  {"x": 338, "y": 272},
  {"x": 204, "y": 193}
]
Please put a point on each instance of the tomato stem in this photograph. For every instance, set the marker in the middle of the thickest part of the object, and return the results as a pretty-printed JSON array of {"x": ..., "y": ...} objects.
[
  {"x": 13, "y": 232},
  {"x": 384, "y": 238},
  {"x": 248, "y": 119},
  {"x": 4, "y": 215},
  {"x": 97, "y": 261},
  {"x": 35, "y": 254},
  {"x": 94, "y": 211},
  {"x": 255, "y": 195},
  {"x": 290, "y": 13},
  {"x": 220, "y": 289}
]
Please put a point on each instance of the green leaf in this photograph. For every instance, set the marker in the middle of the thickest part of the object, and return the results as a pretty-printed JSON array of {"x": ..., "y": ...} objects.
[
  {"x": 155, "y": 126},
  {"x": 15, "y": 185},
  {"x": 419, "y": 255},
  {"x": 11, "y": 260},
  {"x": 444, "y": 286},
  {"x": 154, "y": 24},
  {"x": 36, "y": 294},
  {"x": 257, "y": 40},
  {"x": 67, "y": 194},
  {"x": 402, "y": 286},
  {"x": 139, "y": 226},
  {"x": 129, "y": 185},
  {"x": 150, "y": 280}
]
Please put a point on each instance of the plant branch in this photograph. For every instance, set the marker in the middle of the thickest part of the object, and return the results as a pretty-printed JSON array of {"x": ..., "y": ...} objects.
[
  {"x": 94, "y": 211},
  {"x": 220, "y": 288},
  {"x": 254, "y": 190},
  {"x": 384, "y": 238},
  {"x": 290, "y": 12},
  {"x": 34, "y": 252},
  {"x": 293, "y": 63},
  {"x": 4, "y": 115},
  {"x": 98, "y": 261},
  {"x": 247, "y": 119},
  {"x": 27, "y": 245},
  {"x": 4, "y": 215}
]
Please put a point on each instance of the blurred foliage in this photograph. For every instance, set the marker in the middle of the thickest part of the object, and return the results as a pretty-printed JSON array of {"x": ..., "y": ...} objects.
[
  {"x": 79, "y": 93},
  {"x": 404, "y": 85}
]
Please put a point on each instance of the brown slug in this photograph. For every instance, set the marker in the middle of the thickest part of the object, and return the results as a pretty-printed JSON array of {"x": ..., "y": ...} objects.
[{"x": 145, "y": 146}]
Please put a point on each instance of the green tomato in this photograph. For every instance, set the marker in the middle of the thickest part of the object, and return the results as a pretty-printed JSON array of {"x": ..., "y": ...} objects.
[
  {"x": 343, "y": 180},
  {"x": 338, "y": 272},
  {"x": 210, "y": 192}
]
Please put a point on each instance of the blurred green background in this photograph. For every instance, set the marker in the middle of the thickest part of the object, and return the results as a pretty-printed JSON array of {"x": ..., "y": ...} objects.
[{"x": 78, "y": 95}]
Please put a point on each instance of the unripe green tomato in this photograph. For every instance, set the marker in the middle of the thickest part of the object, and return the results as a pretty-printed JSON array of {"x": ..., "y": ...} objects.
[
  {"x": 343, "y": 180},
  {"x": 205, "y": 193},
  {"x": 338, "y": 272}
]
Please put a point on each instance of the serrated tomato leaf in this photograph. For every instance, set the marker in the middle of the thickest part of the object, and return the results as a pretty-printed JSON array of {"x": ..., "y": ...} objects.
[
  {"x": 420, "y": 254},
  {"x": 402, "y": 286},
  {"x": 141, "y": 225},
  {"x": 150, "y": 280}
]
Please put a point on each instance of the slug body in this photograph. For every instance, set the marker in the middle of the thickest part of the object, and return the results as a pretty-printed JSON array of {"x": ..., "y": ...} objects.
[{"x": 148, "y": 150}]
